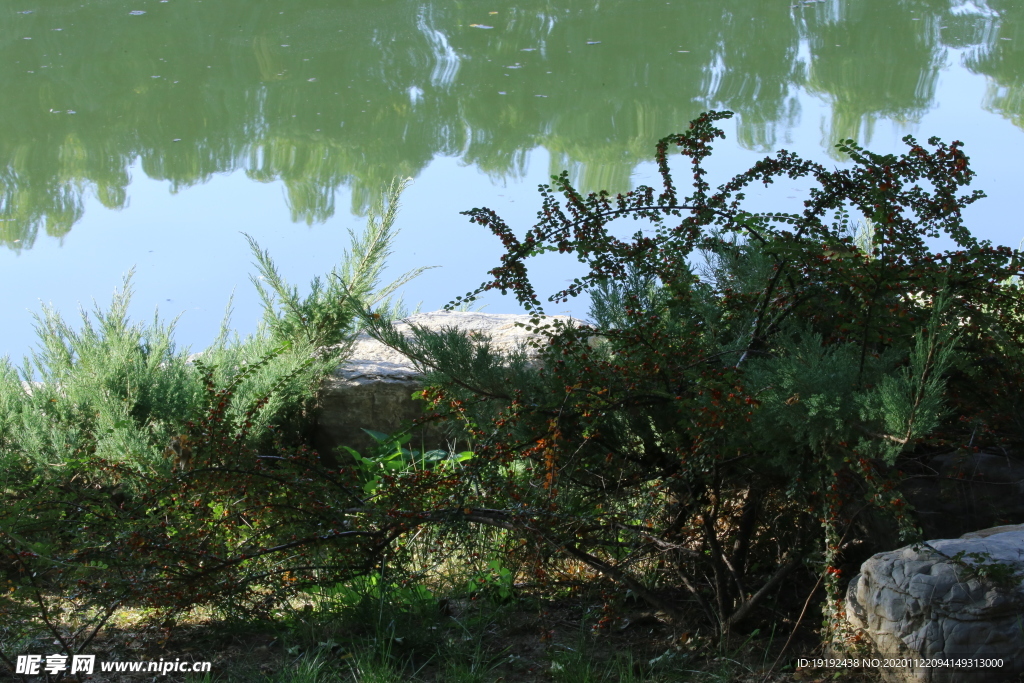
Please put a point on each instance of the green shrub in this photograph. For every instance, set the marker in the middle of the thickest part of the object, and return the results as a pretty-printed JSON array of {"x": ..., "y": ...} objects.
[
  {"x": 715, "y": 428},
  {"x": 137, "y": 475}
]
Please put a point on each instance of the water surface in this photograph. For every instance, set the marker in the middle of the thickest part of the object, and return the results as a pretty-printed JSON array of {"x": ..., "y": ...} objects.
[{"x": 148, "y": 133}]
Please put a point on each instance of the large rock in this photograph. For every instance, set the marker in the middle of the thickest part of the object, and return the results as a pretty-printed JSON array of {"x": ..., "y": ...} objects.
[
  {"x": 945, "y": 599},
  {"x": 373, "y": 390}
]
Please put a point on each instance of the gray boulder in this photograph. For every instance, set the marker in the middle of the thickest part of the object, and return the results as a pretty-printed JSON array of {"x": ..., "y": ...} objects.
[
  {"x": 373, "y": 390},
  {"x": 945, "y": 599}
]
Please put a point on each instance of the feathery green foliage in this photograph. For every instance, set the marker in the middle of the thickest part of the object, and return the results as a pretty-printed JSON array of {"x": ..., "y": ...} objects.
[
  {"x": 325, "y": 316},
  {"x": 124, "y": 459}
]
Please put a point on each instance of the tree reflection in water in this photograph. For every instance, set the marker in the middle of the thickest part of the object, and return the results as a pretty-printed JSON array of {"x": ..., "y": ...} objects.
[{"x": 322, "y": 98}]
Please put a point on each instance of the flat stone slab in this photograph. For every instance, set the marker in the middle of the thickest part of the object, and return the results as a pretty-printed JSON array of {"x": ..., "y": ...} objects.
[
  {"x": 374, "y": 361},
  {"x": 373, "y": 390}
]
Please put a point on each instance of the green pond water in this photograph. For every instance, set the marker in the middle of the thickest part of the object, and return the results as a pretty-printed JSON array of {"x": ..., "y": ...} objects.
[{"x": 147, "y": 134}]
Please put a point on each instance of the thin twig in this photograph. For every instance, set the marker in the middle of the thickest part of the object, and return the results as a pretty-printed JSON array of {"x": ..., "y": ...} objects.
[{"x": 810, "y": 595}]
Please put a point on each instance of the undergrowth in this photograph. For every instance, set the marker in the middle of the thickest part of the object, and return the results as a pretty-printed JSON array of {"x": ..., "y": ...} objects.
[{"x": 657, "y": 500}]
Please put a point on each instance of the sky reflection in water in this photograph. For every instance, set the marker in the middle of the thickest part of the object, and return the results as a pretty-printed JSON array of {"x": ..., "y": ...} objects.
[{"x": 150, "y": 133}]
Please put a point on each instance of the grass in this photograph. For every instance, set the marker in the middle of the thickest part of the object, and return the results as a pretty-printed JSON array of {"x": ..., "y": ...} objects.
[
  {"x": 531, "y": 640},
  {"x": 434, "y": 627},
  {"x": 434, "y": 631}
]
